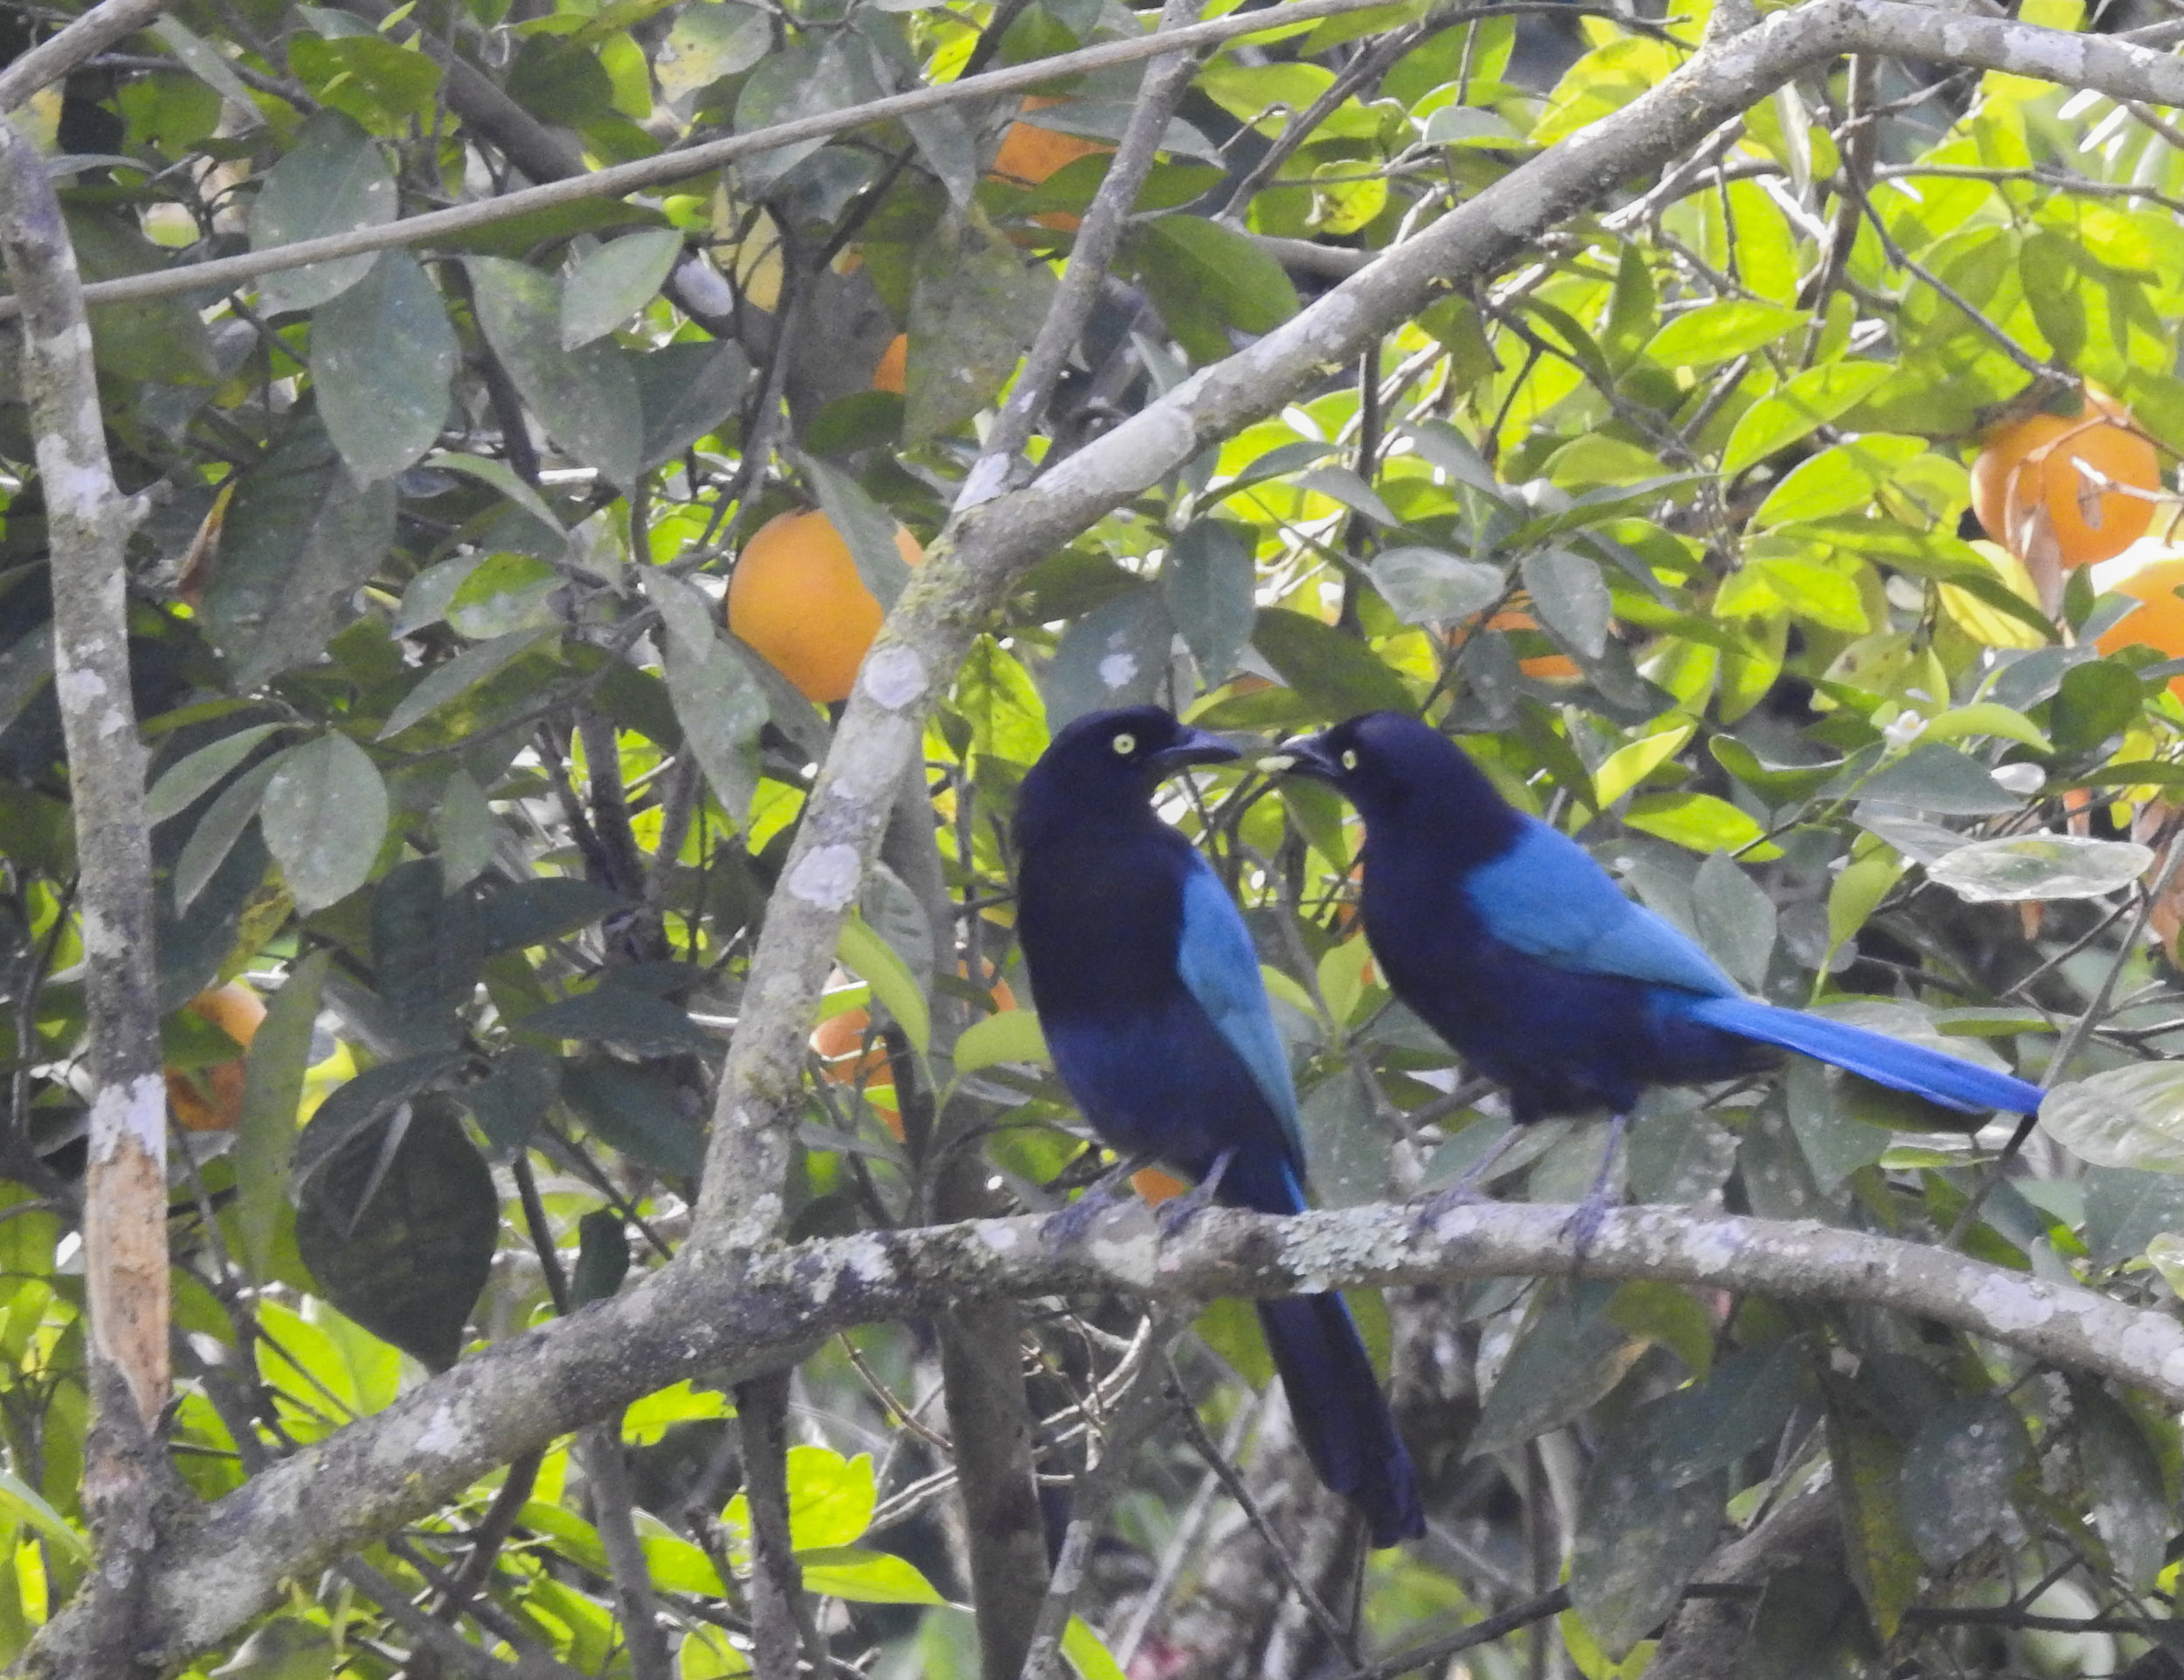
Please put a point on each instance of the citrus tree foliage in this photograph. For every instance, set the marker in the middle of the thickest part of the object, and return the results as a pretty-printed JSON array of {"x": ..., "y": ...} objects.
[{"x": 455, "y": 762}]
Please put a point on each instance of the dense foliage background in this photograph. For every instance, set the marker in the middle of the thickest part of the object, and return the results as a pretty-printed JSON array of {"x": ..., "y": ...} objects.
[{"x": 454, "y": 764}]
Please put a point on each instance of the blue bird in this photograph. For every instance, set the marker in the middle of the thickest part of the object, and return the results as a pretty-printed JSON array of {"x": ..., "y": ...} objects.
[
  {"x": 1508, "y": 940},
  {"x": 1149, "y": 992}
]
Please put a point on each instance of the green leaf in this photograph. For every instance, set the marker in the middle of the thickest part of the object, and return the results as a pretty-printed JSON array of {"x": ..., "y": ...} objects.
[
  {"x": 2124, "y": 1116},
  {"x": 183, "y": 783},
  {"x": 996, "y": 695},
  {"x": 356, "y": 1105},
  {"x": 1958, "y": 1474},
  {"x": 711, "y": 39},
  {"x": 23, "y": 1503},
  {"x": 368, "y": 76},
  {"x": 448, "y": 681},
  {"x": 333, "y": 179},
  {"x": 614, "y": 282},
  {"x": 1117, "y": 654},
  {"x": 621, "y": 1016},
  {"x": 1840, "y": 480},
  {"x": 831, "y": 1498},
  {"x": 382, "y": 356},
  {"x": 218, "y": 830},
  {"x": 798, "y": 80},
  {"x": 873, "y": 960},
  {"x": 300, "y": 537},
  {"x": 1568, "y": 594},
  {"x": 2041, "y": 866},
  {"x": 398, "y": 1230},
  {"x": 1210, "y": 585},
  {"x": 1734, "y": 918},
  {"x": 1809, "y": 401},
  {"x": 2123, "y": 1476},
  {"x": 721, "y": 707},
  {"x": 865, "y": 527},
  {"x": 324, "y": 815},
  {"x": 1867, "y": 1462},
  {"x": 273, "y": 1093},
  {"x": 1720, "y": 331},
  {"x": 975, "y": 308},
  {"x": 1640, "y": 1536},
  {"x": 503, "y": 594},
  {"x": 638, "y": 1112},
  {"x": 1942, "y": 780},
  {"x": 1431, "y": 587},
  {"x": 1333, "y": 671},
  {"x": 1206, "y": 280},
  {"x": 499, "y": 475},
  {"x": 1699, "y": 822},
  {"x": 865, "y": 1576},
  {"x": 1012, "y": 1035},
  {"x": 687, "y": 391},
  {"x": 1566, "y": 1357},
  {"x": 586, "y": 399},
  {"x": 1091, "y": 1659}
]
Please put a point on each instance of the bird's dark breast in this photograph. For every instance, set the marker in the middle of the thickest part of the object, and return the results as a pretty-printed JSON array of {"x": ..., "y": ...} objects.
[
  {"x": 1559, "y": 1042},
  {"x": 1146, "y": 1065}
]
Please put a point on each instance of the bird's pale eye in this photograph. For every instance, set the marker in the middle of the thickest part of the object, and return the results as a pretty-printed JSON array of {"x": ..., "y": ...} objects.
[
  {"x": 1350, "y": 758},
  {"x": 1125, "y": 744}
]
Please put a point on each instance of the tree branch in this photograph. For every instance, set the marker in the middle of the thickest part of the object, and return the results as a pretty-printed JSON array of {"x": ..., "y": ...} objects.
[
  {"x": 693, "y": 1320},
  {"x": 91, "y": 34},
  {"x": 126, "y": 1479}
]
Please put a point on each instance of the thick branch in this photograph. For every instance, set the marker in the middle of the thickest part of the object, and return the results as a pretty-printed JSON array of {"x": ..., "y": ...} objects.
[
  {"x": 90, "y": 35},
  {"x": 125, "y": 1184},
  {"x": 703, "y": 1321}
]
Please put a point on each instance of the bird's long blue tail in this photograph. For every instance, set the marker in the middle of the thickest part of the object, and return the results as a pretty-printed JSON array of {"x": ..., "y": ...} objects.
[
  {"x": 1342, "y": 1418},
  {"x": 1948, "y": 1080}
]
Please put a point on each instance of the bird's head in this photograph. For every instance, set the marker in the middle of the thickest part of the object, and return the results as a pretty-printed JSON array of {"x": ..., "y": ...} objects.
[
  {"x": 1385, "y": 762},
  {"x": 1110, "y": 762}
]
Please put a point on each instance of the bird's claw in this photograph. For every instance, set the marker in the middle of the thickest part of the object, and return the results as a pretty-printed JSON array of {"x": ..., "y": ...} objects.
[
  {"x": 1074, "y": 1223},
  {"x": 1175, "y": 1215}
]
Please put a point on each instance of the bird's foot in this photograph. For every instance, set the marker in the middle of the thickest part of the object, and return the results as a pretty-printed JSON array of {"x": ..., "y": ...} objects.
[
  {"x": 1469, "y": 1185},
  {"x": 1172, "y": 1215},
  {"x": 1584, "y": 1228},
  {"x": 1071, "y": 1226}
]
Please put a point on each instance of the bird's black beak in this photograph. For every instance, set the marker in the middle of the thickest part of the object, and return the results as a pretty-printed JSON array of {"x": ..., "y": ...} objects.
[
  {"x": 1192, "y": 747},
  {"x": 1307, "y": 755}
]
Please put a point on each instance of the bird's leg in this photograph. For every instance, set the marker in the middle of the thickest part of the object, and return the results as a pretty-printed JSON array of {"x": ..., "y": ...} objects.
[
  {"x": 1179, "y": 1210},
  {"x": 1069, "y": 1225},
  {"x": 1467, "y": 1187},
  {"x": 1584, "y": 1228}
]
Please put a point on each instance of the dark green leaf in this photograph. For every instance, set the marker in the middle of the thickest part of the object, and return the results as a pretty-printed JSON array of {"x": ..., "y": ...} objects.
[
  {"x": 526, "y": 913},
  {"x": 601, "y": 1257},
  {"x": 272, "y": 1091},
  {"x": 2126, "y": 1209},
  {"x": 400, "y": 1230},
  {"x": 1115, "y": 655},
  {"x": 2131, "y": 1506},
  {"x": 427, "y": 953},
  {"x": 686, "y": 390},
  {"x": 382, "y": 355},
  {"x": 1429, "y": 586},
  {"x": 332, "y": 180},
  {"x": 1958, "y": 1476},
  {"x": 1568, "y": 594},
  {"x": 510, "y": 1101},
  {"x": 324, "y": 815},
  {"x": 1569, "y": 1356},
  {"x": 614, "y": 282},
  {"x": 357, "y": 1105},
  {"x": 1640, "y": 1536},
  {"x": 1209, "y": 583},
  {"x": 1942, "y": 780},
  {"x": 1336, "y": 671},
  {"x": 639, "y": 1111},
  {"x": 1205, "y": 280},
  {"x": 629, "y": 1020},
  {"x": 586, "y": 399},
  {"x": 975, "y": 308}
]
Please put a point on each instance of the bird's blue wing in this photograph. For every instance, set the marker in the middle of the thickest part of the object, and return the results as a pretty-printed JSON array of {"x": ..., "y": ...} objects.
[
  {"x": 1547, "y": 897},
  {"x": 1220, "y": 970}
]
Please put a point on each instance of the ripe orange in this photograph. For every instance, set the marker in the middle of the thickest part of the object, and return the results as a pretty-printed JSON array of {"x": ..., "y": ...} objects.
[
  {"x": 839, "y": 1042},
  {"x": 795, "y": 597},
  {"x": 2028, "y": 492},
  {"x": 1542, "y": 667},
  {"x": 1156, "y": 1186},
  {"x": 2157, "y": 621},
  {"x": 210, "y": 1099},
  {"x": 1030, "y": 154},
  {"x": 893, "y": 373}
]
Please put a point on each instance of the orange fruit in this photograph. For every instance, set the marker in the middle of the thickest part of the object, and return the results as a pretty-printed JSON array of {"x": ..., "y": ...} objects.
[
  {"x": 1030, "y": 154},
  {"x": 839, "y": 1042},
  {"x": 1156, "y": 1186},
  {"x": 1543, "y": 667},
  {"x": 795, "y": 597},
  {"x": 2157, "y": 621},
  {"x": 893, "y": 373},
  {"x": 2028, "y": 492},
  {"x": 210, "y": 1099}
]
